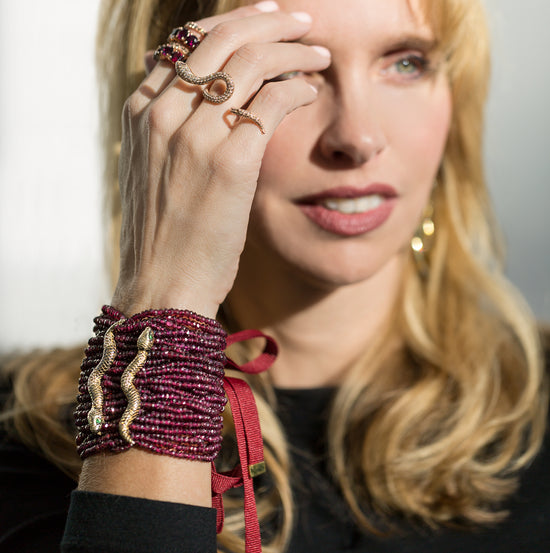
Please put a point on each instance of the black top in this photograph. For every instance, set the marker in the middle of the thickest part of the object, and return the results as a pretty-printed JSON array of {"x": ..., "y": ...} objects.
[{"x": 35, "y": 497}]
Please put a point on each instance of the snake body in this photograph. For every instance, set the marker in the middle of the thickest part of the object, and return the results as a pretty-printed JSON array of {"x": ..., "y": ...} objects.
[
  {"x": 248, "y": 115},
  {"x": 95, "y": 414},
  {"x": 144, "y": 344},
  {"x": 185, "y": 73}
]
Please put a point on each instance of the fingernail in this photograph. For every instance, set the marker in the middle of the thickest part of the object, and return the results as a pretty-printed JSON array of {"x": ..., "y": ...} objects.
[
  {"x": 302, "y": 16},
  {"x": 322, "y": 50},
  {"x": 267, "y": 6}
]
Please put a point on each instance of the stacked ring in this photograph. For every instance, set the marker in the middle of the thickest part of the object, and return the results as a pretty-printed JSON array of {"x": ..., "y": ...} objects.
[
  {"x": 181, "y": 35},
  {"x": 192, "y": 26},
  {"x": 171, "y": 52},
  {"x": 181, "y": 42}
]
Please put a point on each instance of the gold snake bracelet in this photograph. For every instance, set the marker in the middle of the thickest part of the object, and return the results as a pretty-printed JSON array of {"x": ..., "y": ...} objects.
[
  {"x": 95, "y": 414},
  {"x": 144, "y": 344}
]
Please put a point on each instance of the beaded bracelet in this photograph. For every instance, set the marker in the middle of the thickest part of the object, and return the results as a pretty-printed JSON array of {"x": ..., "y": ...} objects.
[{"x": 154, "y": 380}]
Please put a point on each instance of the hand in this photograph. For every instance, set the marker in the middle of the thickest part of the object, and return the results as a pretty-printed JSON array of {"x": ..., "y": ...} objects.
[{"x": 188, "y": 175}]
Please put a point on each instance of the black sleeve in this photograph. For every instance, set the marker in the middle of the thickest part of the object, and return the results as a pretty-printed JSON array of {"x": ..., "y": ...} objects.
[
  {"x": 34, "y": 498},
  {"x": 114, "y": 523}
]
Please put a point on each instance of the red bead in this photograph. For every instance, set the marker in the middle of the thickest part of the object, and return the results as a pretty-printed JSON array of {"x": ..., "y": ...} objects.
[{"x": 181, "y": 384}]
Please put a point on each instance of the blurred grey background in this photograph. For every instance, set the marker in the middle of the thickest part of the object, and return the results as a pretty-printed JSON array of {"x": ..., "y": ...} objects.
[
  {"x": 52, "y": 270},
  {"x": 518, "y": 141}
]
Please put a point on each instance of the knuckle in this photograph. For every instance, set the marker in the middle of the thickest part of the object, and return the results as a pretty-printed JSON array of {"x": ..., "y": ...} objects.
[
  {"x": 132, "y": 106},
  {"x": 250, "y": 54},
  {"x": 225, "y": 33},
  {"x": 225, "y": 165},
  {"x": 187, "y": 144},
  {"x": 276, "y": 94},
  {"x": 158, "y": 117}
]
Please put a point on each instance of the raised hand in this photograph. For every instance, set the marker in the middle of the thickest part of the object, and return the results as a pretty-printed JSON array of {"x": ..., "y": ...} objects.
[{"x": 189, "y": 167}]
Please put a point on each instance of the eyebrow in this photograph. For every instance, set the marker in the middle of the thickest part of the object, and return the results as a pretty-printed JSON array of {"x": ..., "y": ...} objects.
[
  {"x": 397, "y": 43},
  {"x": 411, "y": 42}
]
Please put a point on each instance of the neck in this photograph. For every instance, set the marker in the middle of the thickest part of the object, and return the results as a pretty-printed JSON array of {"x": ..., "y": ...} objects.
[{"x": 320, "y": 330}]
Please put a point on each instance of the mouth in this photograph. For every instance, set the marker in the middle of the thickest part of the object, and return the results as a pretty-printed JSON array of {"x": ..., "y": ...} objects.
[
  {"x": 350, "y": 206},
  {"x": 349, "y": 211}
]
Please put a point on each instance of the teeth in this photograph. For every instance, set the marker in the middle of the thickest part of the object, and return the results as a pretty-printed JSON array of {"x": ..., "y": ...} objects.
[{"x": 353, "y": 205}]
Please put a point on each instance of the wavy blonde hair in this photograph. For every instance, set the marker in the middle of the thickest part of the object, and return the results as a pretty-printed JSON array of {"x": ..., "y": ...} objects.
[{"x": 451, "y": 415}]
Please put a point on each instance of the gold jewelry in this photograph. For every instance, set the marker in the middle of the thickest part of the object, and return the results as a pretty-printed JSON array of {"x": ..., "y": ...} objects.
[
  {"x": 181, "y": 35},
  {"x": 193, "y": 26},
  {"x": 423, "y": 239},
  {"x": 184, "y": 72},
  {"x": 171, "y": 52},
  {"x": 144, "y": 344},
  {"x": 254, "y": 118},
  {"x": 95, "y": 414}
]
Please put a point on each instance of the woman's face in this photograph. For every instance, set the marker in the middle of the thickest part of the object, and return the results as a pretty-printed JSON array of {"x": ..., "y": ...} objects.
[{"x": 344, "y": 180}]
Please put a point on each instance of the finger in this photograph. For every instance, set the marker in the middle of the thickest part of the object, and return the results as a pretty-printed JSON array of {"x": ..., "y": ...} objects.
[
  {"x": 228, "y": 36},
  {"x": 208, "y": 23},
  {"x": 253, "y": 64},
  {"x": 271, "y": 105},
  {"x": 149, "y": 61},
  {"x": 161, "y": 74},
  {"x": 250, "y": 67}
]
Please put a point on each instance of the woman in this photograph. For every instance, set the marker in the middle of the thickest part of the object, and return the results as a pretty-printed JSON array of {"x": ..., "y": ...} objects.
[{"x": 408, "y": 395}]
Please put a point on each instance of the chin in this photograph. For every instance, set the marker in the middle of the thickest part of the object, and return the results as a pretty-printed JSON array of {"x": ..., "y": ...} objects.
[
  {"x": 341, "y": 272},
  {"x": 323, "y": 266}
]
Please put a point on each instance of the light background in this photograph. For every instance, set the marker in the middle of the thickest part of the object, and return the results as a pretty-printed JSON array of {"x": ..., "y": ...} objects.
[{"x": 52, "y": 271}]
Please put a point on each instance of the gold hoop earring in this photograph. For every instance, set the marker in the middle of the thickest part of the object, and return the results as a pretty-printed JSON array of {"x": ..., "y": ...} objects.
[{"x": 423, "y": 240}]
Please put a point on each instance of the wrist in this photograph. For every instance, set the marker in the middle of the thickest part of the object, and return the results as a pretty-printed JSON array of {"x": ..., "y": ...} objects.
[{"x": 129, "y": 300}]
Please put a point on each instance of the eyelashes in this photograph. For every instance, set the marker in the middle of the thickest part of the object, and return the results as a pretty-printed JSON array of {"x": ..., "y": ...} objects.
[
  {"x": 405, "y": 67},
  {"x": 412, "y": 65}
]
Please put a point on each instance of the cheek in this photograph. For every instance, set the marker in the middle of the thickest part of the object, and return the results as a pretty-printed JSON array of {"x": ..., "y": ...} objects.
[{"x": 418, "y": 123}]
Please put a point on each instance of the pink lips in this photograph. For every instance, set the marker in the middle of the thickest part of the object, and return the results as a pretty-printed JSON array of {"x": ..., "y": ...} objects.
[{"x": 352, "y": 224}]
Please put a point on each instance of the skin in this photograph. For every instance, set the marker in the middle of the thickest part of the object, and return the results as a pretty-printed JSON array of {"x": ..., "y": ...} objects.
[
  {"x": 358, "y": 122},
  {"x": 370, "y": 123}
]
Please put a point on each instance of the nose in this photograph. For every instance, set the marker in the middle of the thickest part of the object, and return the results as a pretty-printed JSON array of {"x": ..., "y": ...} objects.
[{"x": 354, "y": 133}]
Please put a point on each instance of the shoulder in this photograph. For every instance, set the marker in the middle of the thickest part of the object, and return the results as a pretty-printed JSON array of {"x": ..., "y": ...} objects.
[{"x": 34, "y": 498}]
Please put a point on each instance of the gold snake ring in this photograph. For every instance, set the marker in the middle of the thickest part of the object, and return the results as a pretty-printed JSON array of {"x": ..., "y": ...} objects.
[
  {"x": 248, "y": 115},
  {"x": 144, "y": 344},
  {"x": 95, "y": 414},
  {"x": 184, "y": 72}
]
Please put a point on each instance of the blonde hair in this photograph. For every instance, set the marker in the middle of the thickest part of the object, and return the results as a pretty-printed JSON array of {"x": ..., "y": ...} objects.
[{"x": 452, "y": 414}]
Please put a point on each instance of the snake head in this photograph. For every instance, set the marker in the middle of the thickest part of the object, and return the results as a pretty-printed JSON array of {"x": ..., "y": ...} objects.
[
  {"x": 146, "y": 339},
  {"x": 95, "y": 420}
]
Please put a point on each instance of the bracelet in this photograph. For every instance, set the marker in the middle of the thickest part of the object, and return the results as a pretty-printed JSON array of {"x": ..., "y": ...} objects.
[{"x": 154, "y": 380}]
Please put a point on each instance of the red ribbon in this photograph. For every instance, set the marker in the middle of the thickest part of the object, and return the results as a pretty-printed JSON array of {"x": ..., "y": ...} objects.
[{"x": 249, "y": 439}]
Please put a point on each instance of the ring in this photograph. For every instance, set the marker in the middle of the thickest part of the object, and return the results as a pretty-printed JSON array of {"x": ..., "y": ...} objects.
[
  {"x": 180, "y": 43},
  {"x": 185, "y": 74},
  {"x": 181, "y": 35},
  {"x": 254, "y": 118},
  {"x": 172, "y": 52},
  {"x": 192, "y": 26}
]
